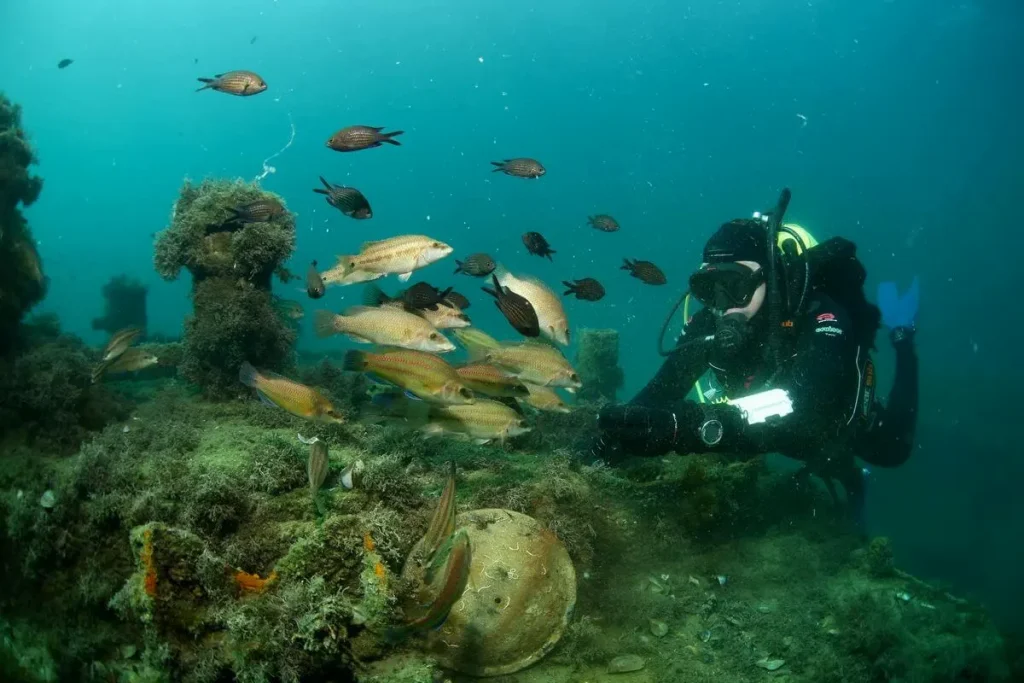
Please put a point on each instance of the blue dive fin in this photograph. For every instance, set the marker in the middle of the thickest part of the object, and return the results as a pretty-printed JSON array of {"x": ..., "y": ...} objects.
[{"x": 898, "y": 311}]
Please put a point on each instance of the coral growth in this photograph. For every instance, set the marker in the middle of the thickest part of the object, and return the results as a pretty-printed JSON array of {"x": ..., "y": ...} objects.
[
  {"x": 234, "y": 314},
  {"x": 124, "y": 305},
  {"x": 22, "y": 283}
]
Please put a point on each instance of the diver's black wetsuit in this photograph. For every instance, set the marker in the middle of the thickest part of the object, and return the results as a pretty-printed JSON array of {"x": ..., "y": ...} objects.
[{"x": 827, "y": 376}]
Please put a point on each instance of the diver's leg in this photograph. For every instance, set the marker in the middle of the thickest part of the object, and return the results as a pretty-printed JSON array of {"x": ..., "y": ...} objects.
[{"x": 889, "y": 442}]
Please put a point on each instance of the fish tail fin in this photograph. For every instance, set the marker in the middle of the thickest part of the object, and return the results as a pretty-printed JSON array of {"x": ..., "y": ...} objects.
[
  {"x": 389, "y": 138},
  {"x": 458, "y": 267},
  {"x": 500, "y": 166},
  {"x": 571, "y": 286},
  {"x": 326, "y": 184},
  {"x": 98, "y": 371},
  {"x": 355, "y": 361},
  {"x": 207, "y": 81},
  {"x": 248, "y": 375},
  {"x": 626, "y": 265},
  {"x": 374, "y": 296},
  {"x": 325, "y": 324}
]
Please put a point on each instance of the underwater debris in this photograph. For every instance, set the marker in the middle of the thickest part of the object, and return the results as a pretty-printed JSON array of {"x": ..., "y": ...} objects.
[
  {"x": 659, "y": 629},
  {"x": 771, "y": 664},
  {"x": 252, "y": 583},
  {"x": 48, "y": 500},
  {"x": 317, "y": 465}
]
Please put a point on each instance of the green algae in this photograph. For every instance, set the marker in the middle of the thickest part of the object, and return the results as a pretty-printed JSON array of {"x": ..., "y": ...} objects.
[{"x": 717, "y": 550}]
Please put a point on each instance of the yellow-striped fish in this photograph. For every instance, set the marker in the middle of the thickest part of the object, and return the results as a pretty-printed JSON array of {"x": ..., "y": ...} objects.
[
  {"x": 388, "y": 326},
  {"x": 129, "y": 361},
  {"x": 341, "y": 275},
  {"x": 535, "y": 363},
  {"x": 544, "y": 399},
  {"x": 120, "y": 342},
  {"x": 396, "y": 255},
  {"x": 424, "y": 375},
  {"x": 289, "y": 395},
  {"x": 490, "y": 380},
  {"x": 475, "y": 341},
  {"x": 482, "y": 422},
  {"x": 452, "y": 563}
]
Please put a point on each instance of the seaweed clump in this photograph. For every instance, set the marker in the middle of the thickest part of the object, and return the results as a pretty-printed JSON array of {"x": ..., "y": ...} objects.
[
  {"x": 232, "y": 266},
  {"x": 22, "y": 283},
  {"x": 125, "y": 305},
  {"x": 46, "y": 391}
]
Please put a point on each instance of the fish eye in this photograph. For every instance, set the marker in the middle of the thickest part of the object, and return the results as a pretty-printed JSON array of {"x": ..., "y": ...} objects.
[
  {"x": 574, "y": 377},
  {"x": 437, "y": 245},
  {"x": 521, "y": 423},
  {"x": 465, "y": 392},
  {"x": 434, "y": 336}
]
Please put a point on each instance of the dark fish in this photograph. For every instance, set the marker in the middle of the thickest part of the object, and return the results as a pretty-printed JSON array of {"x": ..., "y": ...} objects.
[
  {"x": 348, "y": 200},
  {"x": 260, "y": 211},
  {"x": 241, "y": 83},
  {"x": 314, "y": 283},
  {"x": 195, "y": 60},
  {"x": 354, "y": 138},
  {"x": 423, "y": 296},
  {"x": 520, "y": 168},
  {"x": 64, "y": 63},
  {"x": 253, "y": 40},
  {"x": 477, "y": 265},
  {"x": 587, "y": 289},
  {"x": 457, "y": 300},
  {"x": 536, "y": 244},
  {"x": 517, "y": 309},
  {"x": 603, "y": 222},
  {"x": 645, "y": 271}
]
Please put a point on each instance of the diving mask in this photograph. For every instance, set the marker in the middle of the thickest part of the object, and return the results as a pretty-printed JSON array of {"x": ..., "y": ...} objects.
[{"x": 722, "y": 286}]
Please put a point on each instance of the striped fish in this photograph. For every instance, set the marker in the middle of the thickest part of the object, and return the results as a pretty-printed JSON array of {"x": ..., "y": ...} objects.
[{"x": 241, "y": 83}]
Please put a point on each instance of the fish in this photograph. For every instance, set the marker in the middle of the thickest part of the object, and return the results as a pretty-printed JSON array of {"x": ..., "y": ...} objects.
[
  {"x": 348, "y": 200},
  {"x": 533, "y": 363},
  {"x": 65, "y": 63},
  {"x": 423, "y": 295},
  {"x": 251, "y": 42},
  {"x": 259, "y": 211},
  {"x": 386, "y": 326},
  {"x": 317, "y": 465},
  {"x": 445, "y": 317},
  {"x": 484, "y": 421},
  {"x": 452, "y": 563},
  {"x": 314, "y": 283},
  {"x": 518, "y": 311},
  {"x": 442, "y": 523},
  {"x": 585, "y": 289},
  {"x": 242, "y": 83},
  {"x": 475, "y": 341},
  {"x": 603, "y": 222},
  {"x": 341, "y": 275},
  {"x": 491, "y": 380},
  {"x": 421, "y": 374},
  {"x": 476, "y": 265},
  {"x": 131, "y": 360},
  {"x": 536, "y": 244},
  {"x": 551, "y": 317},
  {"x": 645, "y": 271},
  {"x": 292, "y": 310},
  {"x": 355, "y": 138},
  {"x": 396, "y": 255},
  {"x": 120, "y": 341},
  {"x": 456, "y": 300},
  {"x": 522, "y": 167},
  {"x": 544, "y": 399},
  {"x": 288, "y": 395}
]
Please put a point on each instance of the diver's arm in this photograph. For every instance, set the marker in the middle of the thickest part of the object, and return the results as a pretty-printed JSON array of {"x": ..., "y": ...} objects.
[
  {"x": 813, "y": 403},
  {"x": 890, "y": 441},
  {"x": 681, "y": 369}
]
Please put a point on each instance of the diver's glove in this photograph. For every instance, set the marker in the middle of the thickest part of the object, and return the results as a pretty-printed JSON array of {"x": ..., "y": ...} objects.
[
  {"x": 638, "y": 430},
  {"x": 899, "y": 313}
]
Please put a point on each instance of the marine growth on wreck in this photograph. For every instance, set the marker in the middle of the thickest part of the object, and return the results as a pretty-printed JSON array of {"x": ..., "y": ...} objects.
[{"x": 371, "y": 453}]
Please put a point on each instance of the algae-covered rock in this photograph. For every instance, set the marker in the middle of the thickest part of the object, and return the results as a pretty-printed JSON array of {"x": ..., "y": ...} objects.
[
  {"x": 22, "y": 283},
  {"x": 234, "y": 315}
]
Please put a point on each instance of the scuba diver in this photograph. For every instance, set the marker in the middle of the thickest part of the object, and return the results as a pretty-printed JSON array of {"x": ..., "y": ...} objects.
[{"x": 786, "y": 331}]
